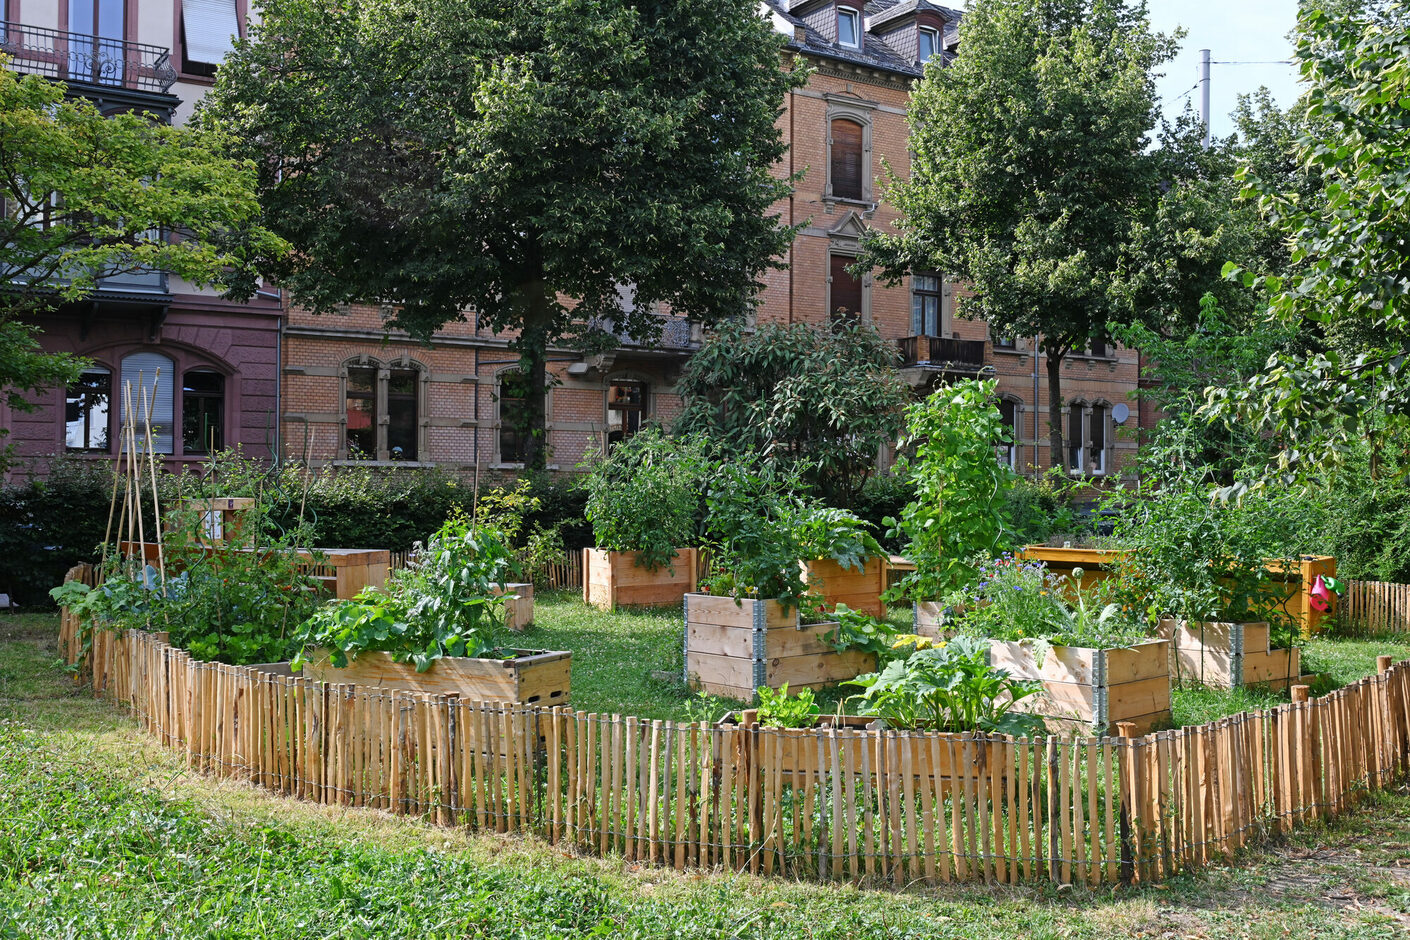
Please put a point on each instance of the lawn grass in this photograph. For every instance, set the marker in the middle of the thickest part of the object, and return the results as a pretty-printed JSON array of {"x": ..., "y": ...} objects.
[{"x": 104, "y": 834}]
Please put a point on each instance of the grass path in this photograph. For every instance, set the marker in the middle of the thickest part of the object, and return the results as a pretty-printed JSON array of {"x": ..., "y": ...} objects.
[{"x": 104, "y": 834}]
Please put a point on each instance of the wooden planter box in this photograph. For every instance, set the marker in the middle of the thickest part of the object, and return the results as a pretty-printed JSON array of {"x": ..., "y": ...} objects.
[
  {"x": 1093, "y": 689},
  {"x": 1228, "y": 655},
  {"x": 534, "y": 677},
  {"x": 612, "y": 579},
  {"x": 734, "y": 647},
  {"x": 343, "y": 572},
  {"x": 860, "y": 589},
  {"x": 518, "y": 605},
  {"x": 1298, "y": 575},
  {"x": 925, "y": 619}
]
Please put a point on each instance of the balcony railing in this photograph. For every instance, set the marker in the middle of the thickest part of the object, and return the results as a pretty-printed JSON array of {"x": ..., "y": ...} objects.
[
  {"x": 80, "y": 57},
  {"x": 676, "y": 333},
  {"x": 941, "y": 352}
]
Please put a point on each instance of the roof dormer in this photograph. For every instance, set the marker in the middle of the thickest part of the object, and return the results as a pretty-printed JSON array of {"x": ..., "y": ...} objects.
[
  {"x": 916, "y": 29},
  {"x": 838, "y": 21}
]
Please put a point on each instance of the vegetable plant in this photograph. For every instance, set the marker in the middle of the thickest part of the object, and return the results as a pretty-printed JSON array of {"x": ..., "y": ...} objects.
[
  {"x": 778, "y": 709},
  {"x": 949, "y": 687},
  {"x": 959, "y": 510},
  {"x": 762, "y": 530},
  {"x": 444, "y": 605},
  {"x": 644, "y": 495},
  {"x": 858, "y": 630}
]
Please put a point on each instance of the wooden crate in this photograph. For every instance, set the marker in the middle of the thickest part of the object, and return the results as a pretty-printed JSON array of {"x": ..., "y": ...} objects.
[
  {"x": 342, "y": 572},
  {"x": 613, "y": 579},
  {"x": 925, "y": 619},
  {"x": 858, "y": 588},
  {"x": 1093, "y": 689},
  {"x": 534, "y": 677},
  {"x": 222, "y": 517},
  {"x": 1300, "y": 576},
  {"x": 518, "y": 604},
  {"x": 734, "y": 647},
  {"x": 1228, "y": 655}
]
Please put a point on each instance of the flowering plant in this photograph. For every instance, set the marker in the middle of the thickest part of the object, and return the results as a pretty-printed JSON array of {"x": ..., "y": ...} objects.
[{"x": 1022, "y": 600}]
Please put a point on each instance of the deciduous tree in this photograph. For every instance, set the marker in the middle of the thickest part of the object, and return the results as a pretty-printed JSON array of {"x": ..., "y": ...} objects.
[{"x": 520, "y": 163}]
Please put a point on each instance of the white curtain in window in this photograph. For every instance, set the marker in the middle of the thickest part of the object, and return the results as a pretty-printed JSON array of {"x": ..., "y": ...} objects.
[
  {"x": 209, "y": 28},
  {"x": 140, "y": 371}
]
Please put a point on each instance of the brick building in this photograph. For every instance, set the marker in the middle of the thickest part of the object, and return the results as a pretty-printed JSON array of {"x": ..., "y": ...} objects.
[
  {"x": 350, "y": 393},
  {"x": 218, "y": 360}
]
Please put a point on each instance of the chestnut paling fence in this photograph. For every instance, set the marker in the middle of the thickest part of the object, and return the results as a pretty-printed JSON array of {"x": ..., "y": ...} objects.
[
  {"x": 1375, "y": 607},
  {"x": 833, "y": 803}
]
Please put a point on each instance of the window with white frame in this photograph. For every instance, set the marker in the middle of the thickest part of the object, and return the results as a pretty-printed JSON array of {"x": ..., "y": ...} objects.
[
  {"x": 86, "y": 411},
  {"x": 209, "y": 29},
  {"x": 1009, "y": 411},
  {"x": 927, "y": 44},
  {"x": 849, "y": 27},
  {"x": 1096, "y": 439},
  {"x": 1075, "y": 437}
]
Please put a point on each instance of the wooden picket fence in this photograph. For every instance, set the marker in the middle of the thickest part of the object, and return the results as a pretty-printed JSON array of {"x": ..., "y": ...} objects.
[
  {"x": 868, "y": 806},
  {"x": 1374, "y": 608}
]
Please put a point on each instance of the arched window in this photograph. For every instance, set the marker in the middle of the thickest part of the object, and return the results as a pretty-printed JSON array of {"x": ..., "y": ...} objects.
[
  {"x": 151, "y": 380},
  {"x": 382, "y": 410},
  {"x": 87, "y": 411},
  {"x": 361, "y": 412},
  {"x": 1075, "y": 436},
  {"x": 1097, "y": 438},
  {"x": 202, "y": 412},
  {"x": 846, "y": 159}
]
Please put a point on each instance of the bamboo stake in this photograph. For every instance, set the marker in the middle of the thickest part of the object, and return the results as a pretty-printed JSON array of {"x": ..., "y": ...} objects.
[{"x": 152, "y": 467}]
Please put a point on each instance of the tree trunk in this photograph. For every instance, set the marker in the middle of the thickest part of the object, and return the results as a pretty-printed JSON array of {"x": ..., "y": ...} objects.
[
  {"x": 1057, "y": 456},
  {"x": 537, "y": 309}
]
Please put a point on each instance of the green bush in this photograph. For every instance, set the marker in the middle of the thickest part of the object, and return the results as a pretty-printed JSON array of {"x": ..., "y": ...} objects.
[{"x": 645, "y": 495}]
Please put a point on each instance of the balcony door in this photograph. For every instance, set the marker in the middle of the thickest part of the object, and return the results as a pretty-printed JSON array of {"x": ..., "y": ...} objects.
[{"x": 97, "y": 28}]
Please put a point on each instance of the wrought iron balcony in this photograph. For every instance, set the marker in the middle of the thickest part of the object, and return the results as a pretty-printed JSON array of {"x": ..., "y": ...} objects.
[
  {"x": 939, "y": 352},
  {"x": 676, "y": 333},
  {"x": 80, "y": 58}
]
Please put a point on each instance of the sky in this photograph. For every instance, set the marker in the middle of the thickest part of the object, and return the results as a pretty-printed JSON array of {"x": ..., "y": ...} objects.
[
  {"x": 1242, "y": 31},
  {"x": 1232, "y": 31}
]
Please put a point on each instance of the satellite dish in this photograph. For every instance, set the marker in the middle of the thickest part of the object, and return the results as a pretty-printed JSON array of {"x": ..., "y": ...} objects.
[{"x": 1120, "y": 412}]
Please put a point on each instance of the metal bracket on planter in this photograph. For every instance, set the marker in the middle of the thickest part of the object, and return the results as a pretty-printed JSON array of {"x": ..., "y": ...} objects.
[
  {"x": 760, "y": 647},
  {"x": 915, "y": 618},
  {"x": 1236, "y": 655},
  {"x": 685, "y": 642},
  {"x": 1101, "y": 697}
]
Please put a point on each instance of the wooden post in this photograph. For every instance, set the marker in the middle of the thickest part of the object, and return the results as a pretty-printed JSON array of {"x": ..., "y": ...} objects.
[
  {"x": 1126, "y": 730},
  {"x": 1383, "y": 664},
  {"x": 1301, "y": 692}
]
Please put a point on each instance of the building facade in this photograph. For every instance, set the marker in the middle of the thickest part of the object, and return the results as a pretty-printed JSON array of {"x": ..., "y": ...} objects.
[
  {"x": 353, "y": 393},
  {"x": 339, "y": 388},
  {"x": 218, "y": 360}
]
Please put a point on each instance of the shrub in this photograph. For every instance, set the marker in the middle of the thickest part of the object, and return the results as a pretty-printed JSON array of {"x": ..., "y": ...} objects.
[
  {"x": 644, "y": 496},
  {"x": 821, "y": 401}
]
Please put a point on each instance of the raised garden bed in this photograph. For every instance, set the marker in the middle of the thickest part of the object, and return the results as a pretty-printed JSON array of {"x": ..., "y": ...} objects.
[
  {"x": 518, "y": 605},
  {"x": 532, "y": 677},
  {"x": 860, "y": 589},
  {"x": 1088, "y": 689},
  {"x": 925, "y": 619},
  {"x": 613, "y": 579},
  {"x": 733, "y": 647},
  {"x": 1229, "y": 655},
  {"x": 342, "y": 571}
]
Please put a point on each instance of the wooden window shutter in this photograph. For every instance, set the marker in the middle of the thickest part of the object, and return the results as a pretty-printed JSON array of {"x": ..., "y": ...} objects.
[
  {"x": 846, "y": 159},
  {"x": 846, "y": 290}
]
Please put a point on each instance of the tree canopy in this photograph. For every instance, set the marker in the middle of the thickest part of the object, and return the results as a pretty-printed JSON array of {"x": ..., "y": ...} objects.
[
  {"x": 88, "y": 196},
  {"x": 822, "y": 401},
  {"x": 520, "y": 162},
  {"x": 1033, "y": 180},
  {"x": 1345, "y": 214}
]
